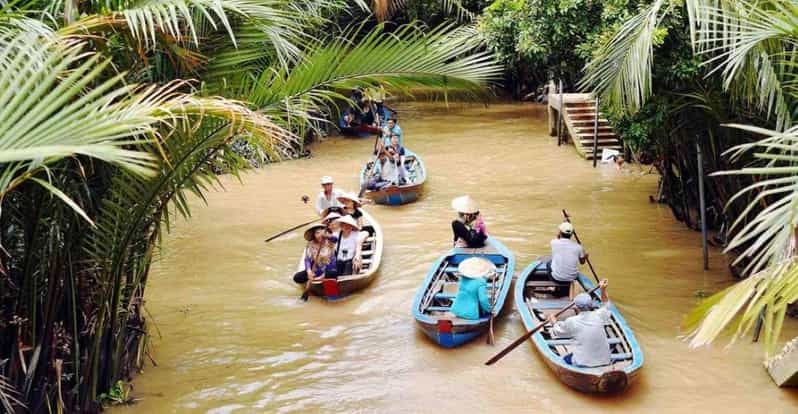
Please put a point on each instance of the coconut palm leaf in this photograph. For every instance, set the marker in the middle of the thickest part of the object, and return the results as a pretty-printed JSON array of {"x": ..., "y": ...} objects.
[
  {"x": 621, "y": 71},
  {"x": 442, "y": 58},
  {"x": 767, "y": 240},
  {"x": 752, "y": 48}
]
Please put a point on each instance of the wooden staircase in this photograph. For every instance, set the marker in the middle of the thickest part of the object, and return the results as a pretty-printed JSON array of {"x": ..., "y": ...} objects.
[{"x": 579, "y": 113}]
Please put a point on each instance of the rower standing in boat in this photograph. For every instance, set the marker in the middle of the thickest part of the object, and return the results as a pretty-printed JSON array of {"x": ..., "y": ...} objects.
[
  {"x": 566, "y": 256},
  {"x": 469, "y": 227},
  {"x": 391, "y": 128},
  {"x": 591, "y": 347},
  {"x": 472, "y": 301},
  {"x": 351, "y": 206},
  {"x": 328, "y": 197}
]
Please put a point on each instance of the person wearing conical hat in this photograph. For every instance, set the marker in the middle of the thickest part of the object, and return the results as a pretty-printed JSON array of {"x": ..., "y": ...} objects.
[
  {"x": 469, "y": 228},
  {"x": 348, "y": 250},
  {"x": 319, "y": 257},
  {"x": 327, "y": 199},
  {"x": 472, "y": 300},
  {"x": 351, "y": 206}
]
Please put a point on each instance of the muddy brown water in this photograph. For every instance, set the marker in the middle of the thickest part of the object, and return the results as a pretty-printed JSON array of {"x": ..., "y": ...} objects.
[{"x": 234, "y": 338}]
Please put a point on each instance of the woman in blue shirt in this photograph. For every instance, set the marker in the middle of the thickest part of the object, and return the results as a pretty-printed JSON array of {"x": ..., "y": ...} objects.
[{"x": 472, "y": 299}]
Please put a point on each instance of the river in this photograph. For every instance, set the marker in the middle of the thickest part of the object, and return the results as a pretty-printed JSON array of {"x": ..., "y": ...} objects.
[{"x": 235, "y": 338}]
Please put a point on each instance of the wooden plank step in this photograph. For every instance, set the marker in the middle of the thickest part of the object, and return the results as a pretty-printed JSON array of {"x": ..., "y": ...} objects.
[
  {"x": 589, "y": 128},
  {"x": 583, "y": 135},
  {"x": 589, "y": 142}
]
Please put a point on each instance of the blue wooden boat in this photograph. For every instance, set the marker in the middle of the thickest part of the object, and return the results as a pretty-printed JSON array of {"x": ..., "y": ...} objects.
[
  {"x": 536, "y": 298},
  {"x": 395, "y": 195},
  {"x": 434, "y": 299}
]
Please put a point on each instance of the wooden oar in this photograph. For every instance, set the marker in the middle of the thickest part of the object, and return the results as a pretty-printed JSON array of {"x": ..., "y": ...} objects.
[
  {"x": 526, "y": 336},
  {"x": 492, "y": 304},
  {"x": 304, "y": 200},
  {"x": 568, "y": 219}
]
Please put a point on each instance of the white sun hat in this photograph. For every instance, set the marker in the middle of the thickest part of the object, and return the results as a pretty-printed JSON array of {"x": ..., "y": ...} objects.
[
  {"x": 566, "y": 228},
  {"x": 351, "y": 197},
  {"x": 326, "y": 180},
  {"x": 476, "y": 267},
  {"x": 465, "y": 204},
  {"x": 331, "y": 216},
  {"x": 348, "y": 220}
]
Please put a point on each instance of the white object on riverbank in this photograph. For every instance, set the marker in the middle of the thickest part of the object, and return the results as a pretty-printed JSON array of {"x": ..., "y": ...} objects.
[{"x": 783, "y": 367}]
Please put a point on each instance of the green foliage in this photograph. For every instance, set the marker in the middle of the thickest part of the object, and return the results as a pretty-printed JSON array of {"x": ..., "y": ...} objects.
[
  {"x": 96, "y": 161},
  {"x": 119, "y": 394}
]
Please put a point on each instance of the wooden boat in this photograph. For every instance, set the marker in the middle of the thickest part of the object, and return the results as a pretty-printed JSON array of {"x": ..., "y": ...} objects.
[
  {"x": 399, "y": 194},
  {"x": 536, "y": 299},
  {"x": 363, "y": 131},
  {"x": 334, "y": 289},
  {"x": 360, "y": 131},
  {"x": 434, "y": 299}
]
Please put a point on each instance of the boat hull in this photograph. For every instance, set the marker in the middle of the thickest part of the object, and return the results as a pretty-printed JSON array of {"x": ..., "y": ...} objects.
[
  {"x": 344, "y": 286},
  {"x": 626, "y": 353},
  {"x": 435, "y": 321}
]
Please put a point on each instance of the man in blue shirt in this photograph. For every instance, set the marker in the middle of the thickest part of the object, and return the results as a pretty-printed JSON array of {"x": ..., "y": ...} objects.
[{"x": 391, "y": 128}]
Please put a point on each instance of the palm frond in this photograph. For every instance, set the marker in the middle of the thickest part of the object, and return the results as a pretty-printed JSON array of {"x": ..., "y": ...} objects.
[
  {"x": 441, "y": 58},
  {"x": 751, "y": 47},
  {"x": 621, "y": 71}
]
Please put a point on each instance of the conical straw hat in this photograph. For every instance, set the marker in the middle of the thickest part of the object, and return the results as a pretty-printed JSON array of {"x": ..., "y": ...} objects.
[
  {"x": 476, "y": 267},
  {"x": 351, "y": 197},
  {"x": 309, "y": 232},
  {"x": 465, "y": 204}
]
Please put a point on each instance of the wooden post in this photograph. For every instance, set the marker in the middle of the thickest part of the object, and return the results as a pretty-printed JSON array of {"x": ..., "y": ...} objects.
[
  {"x": 595, "y": 134},
  {"x": 559, "y": 118},
  {"x": 702, "y": 205}
]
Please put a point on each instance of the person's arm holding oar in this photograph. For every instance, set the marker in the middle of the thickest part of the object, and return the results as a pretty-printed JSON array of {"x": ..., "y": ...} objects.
[
  {"x": 531, "y": 332},
  {"x": 370, "y": 167},
  {"x": 576, "y": 236}
]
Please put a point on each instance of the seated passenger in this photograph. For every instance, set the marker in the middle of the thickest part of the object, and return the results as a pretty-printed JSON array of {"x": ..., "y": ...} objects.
[
  {"x": 472, "y": 300},
  {"x": 319, "y": 255},
  {"x": 591, "y": 347},
  {"x": 351, "y": 207},
  {"x": 329, "y": 221},
  {"x": 469, "y": 228},
  {"x": 348, "y": 249},
  {"x": 347, "y": 120},
  {"x": 396, "y": 154},
  {"x": 367, "y": 114},
  {"x": 384, "y": 173}
]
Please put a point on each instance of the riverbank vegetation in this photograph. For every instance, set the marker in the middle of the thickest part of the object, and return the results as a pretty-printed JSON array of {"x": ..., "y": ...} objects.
[
  {"x": 113, "y": 113},
  {"x": 672, "y": 77}
]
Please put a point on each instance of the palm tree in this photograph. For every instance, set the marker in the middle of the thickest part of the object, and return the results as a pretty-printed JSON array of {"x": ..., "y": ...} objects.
[
  {"x": 751, "y": 48},
  {"x": 97, "y": 160}
]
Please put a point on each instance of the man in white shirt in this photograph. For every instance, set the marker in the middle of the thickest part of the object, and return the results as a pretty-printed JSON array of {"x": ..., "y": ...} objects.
[
  {"x": 566, "y": 255},
  {"x": 328, "y": 197},
  {"x": 590, "y": 348}
]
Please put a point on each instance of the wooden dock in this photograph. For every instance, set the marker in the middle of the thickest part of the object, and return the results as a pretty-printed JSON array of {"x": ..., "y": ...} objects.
[{"x": 579, "y": 114}]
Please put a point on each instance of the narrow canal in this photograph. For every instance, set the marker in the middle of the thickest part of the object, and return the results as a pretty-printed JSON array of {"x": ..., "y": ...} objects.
[{"x": 236, "y": 338}]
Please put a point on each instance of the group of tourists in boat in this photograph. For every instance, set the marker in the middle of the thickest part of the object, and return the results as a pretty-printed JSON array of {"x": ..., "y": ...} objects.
[
  {"x": 581, "y": 335},
  {"x": 367, "y": 114}
]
